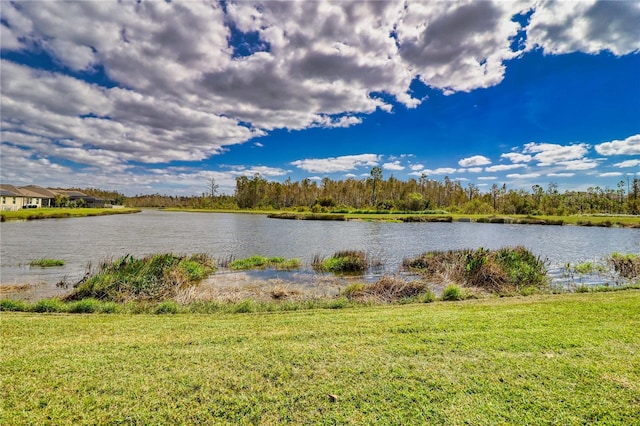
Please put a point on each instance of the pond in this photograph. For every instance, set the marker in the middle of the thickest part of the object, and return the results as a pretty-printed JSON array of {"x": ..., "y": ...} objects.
[{"x": 88, "y": 241}]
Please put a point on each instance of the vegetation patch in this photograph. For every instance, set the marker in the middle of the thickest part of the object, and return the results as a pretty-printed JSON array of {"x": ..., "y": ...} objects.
[
  {"x": 59, "y": 213},
  {"x": 261, "y": 262},
  {"x": 156, "y": 277},
  {"x": 347, "y": 261},
  {"x": 548, "y": 359},
  {"x": 626, "y": 265},
  {"x": 47, "y": 263},
  {"x": 389, "y": 289},
  {"x": 504, "y": 270}
]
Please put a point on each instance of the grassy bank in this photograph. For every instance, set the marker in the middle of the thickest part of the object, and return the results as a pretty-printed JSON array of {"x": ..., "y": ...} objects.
[
  {"x": 552, "y": 359},
  {"x": 57, "y": 213}
]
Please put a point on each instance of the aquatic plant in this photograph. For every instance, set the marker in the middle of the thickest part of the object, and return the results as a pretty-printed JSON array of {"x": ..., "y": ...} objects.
[
  {"x": 254, "y": 262},
  {"x": 47, "y": 263},
  {"x": 626, "y": 265},
  {"x": 156, "y": 277},
  {"x": 346, "y": 261},
  {"x": 500, "y": 271}
]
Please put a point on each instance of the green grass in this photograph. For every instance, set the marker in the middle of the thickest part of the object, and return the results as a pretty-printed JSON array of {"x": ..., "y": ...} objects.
[
  {"x": 260, "y": 262},
  {"x": 57, "y": 213},
  {"x": 567, "y": 359},
  {"x": 46, "y": 263}
]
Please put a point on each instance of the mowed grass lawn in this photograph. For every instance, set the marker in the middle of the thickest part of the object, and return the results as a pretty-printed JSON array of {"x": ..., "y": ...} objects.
[{"x": 549, "y": 359}]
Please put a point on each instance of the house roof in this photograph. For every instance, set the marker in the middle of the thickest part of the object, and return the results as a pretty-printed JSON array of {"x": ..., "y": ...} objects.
[
  {"x": 9, "y": 191},
  {"x": 37, "y": 191}
]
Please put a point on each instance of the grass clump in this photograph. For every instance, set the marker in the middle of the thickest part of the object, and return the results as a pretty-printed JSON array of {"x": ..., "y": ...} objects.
[
  {"x": 9, "y": 305},
  {"x": 506, "y": 270},
  {"x": 156, "y": 277},
  {"x": 389, "y": 289},
  {"x": 452, "y": 292},
  {"x": 626, "y": 265},
  {"x": 49, "y": 306},
  {"x": 345, "y": 262},
  {"x": 46, "y": 263},
  {"x": 254, "y": 262}
]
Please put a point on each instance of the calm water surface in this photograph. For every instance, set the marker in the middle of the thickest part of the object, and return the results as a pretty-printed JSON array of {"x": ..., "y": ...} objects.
[{"x": 79, "y": 241}]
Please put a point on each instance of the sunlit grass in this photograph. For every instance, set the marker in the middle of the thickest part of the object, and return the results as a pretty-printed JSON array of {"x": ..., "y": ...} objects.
[
  {"x": 58, "y": 213},
  {"x": 546, "y": 359}
]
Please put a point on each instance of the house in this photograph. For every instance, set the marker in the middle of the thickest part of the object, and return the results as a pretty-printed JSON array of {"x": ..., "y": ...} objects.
[
  {"x": 37, "y": 195},
  {"x": 34, "y": 196},
  {"x": 80, "y": 198},
  {"x": 11, "y": 198}
]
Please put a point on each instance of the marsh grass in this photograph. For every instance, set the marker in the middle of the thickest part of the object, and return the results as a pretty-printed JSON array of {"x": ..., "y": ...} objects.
[
  {"x": 261, "y": 262},
  {"x": 499, "y": 271},
  {"x": 61, "y": 213},
  {"x": 46, "y": 263},
  {"x": 157, "y": 277},
  {"x": 342, "y": 262},
  {"x": 626, "y": 265},
  {"x": 389, "y": 289}
]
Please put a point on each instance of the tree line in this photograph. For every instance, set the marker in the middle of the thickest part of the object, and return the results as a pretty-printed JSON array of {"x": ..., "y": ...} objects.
[{"x": 377, "y": 193}]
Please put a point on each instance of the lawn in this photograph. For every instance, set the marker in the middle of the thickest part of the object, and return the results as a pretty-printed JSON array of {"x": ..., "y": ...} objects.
[
  {"x": 545, "y": 359},
  {"x": 56, "y": 213}
]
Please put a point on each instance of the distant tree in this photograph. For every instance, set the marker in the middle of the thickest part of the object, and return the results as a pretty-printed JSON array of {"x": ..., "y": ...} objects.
[
  {"x": 376, "y": 177},
  {"x": 212, "y": 189}
]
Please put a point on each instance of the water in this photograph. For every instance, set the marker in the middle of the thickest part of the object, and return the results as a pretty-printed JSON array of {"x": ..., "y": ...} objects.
[{"x": 79, "y": 241}]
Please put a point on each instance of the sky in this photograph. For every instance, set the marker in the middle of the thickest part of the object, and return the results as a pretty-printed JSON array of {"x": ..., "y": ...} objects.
[{"x": 161, "y": 97}]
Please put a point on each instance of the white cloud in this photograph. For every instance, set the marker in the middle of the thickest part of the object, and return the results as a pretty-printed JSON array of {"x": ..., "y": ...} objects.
[
  {"x": 523, "y": 175},
  {"x": 395, "y": 165},
  {"x": 416, "y": 167},
  {"x": 337, "y": 164},
  {"x": 561, "y": 174},
  {"x": 473, "y": 169},
  {"x": 503, "y": 167},
  {"x": 610, "y": 174},
  {"x": 487, "y": 177},
  {"x": 441, "y": 171},
  {"x": 627, "y": 163},
  {"x": 629, "y": 146},
  {"x": 548, "y": 153},
  {"x": 586, "y": 26},
  {"x": 515, "y": 157},
  {"x": 476, "y": 160},
  {"x": 584, "y": 164}
]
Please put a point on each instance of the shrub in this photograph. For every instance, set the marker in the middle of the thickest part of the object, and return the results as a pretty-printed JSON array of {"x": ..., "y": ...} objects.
[
  {"x": 264, "y": 262},
  {"x": 452, "y": 292}
]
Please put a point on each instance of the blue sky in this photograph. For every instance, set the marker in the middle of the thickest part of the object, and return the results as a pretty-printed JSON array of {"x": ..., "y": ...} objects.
[{"x": 145, "y": 97}]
